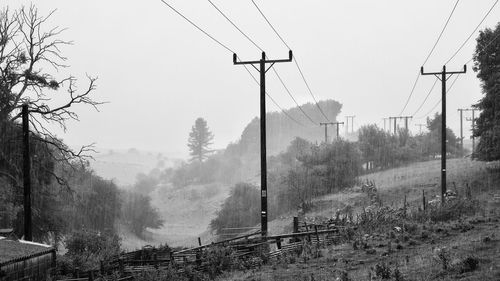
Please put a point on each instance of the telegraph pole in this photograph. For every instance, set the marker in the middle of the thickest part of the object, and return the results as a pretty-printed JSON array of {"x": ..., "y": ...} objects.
[
  {"x": 443, "y": 76},
  {"x": 461, "y": 110},
  {"x": 395, "y": 128},
  {"x": 338, "y": 124},
  {"x": 406, "y": 121},
  {"x": 28, "y": 234},
  {"x": 473, "y": 125},
  {"x": 263, "y": 161},
  {"x": 352, "y": 123},
  {"x": 420, "y": 127},
  {"x": 326, "y": 129}
]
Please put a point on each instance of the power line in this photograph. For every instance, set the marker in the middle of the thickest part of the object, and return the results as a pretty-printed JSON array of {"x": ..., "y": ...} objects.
[
  {"x": 258, "y": 47},
  {"x": 235, "y": 26},
  {"x": 442, "y": 31},
  {"x": 485, "y": 46},
  {"x": 197, "y": 27},
  {"x": 426, "y": 97},
  {"x": 269, "y": 23},
  {"x": 472, "y": 33},
  {"x": 290, "y": 94},
  {"x": 411, "y": 93},
  {"x": 439, "y": 101},
  {"x": 295, "y": 60},
  {"x": 271, "y": 98},
  {"x": 428, "y": 56}
]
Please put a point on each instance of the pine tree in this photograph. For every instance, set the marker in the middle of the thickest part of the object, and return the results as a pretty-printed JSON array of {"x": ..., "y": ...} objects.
[{"x": 200, "y": 138}]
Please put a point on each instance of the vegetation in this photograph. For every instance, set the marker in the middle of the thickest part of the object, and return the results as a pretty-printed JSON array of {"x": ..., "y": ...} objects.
[
  {"x": 200, "y": 138},
  {"x": 138, "y": 213},
  {"x": 486, "y": 63}
]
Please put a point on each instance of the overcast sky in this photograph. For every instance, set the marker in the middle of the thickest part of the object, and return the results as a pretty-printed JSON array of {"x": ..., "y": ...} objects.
[{"x": 159, "y": 73}]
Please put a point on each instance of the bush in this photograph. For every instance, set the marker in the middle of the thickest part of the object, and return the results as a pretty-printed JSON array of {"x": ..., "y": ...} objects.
[
  {"x": 383, "y": 271},
  {"x": 87, "y": 248}
]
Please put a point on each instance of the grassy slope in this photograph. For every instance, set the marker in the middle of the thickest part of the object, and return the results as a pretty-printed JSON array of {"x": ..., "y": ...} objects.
[{"x": 418, "y": 261}]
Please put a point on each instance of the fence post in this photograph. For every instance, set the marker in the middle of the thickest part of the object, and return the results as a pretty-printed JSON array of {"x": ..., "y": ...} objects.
[
  {"x": 423, "y": 199},
  {"x": 295, "y": 224},
  {"x": 199, "y": 241},
  {"x": 101, "y": 267},
  {"x": 120, "y": 262},
  {"x": 307, "y": 230},
  {"x": 91, "y": 275},
  {"x": 316, "y": 232},
  {"x": 278, "y": 243}
]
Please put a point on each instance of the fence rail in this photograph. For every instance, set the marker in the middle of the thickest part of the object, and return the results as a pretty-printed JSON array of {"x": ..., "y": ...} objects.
[{"x": 271, "y": 246}]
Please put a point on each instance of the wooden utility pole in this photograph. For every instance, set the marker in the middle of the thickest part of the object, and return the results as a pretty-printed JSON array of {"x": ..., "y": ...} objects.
[
  {"x": 473, "y": 125},
  {"x": 347, "y": 123},
  {"x": 263, "y": 161},
  {"x": 420, "y": 127},
  {"x": 28, "y": 233},
  {"x": 461, "y": 110},
  {"x": 443, "y": 76},
  {"x": 326, "y": 124}
]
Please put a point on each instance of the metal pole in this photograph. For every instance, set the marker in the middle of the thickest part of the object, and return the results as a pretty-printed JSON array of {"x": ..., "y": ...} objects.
[
  {"x": 461, "y": 132},
  {"x": 28, "y": 235}
]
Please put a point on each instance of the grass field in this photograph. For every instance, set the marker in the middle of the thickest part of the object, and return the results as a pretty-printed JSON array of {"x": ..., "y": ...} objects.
[{"x": 455, "y": 249}]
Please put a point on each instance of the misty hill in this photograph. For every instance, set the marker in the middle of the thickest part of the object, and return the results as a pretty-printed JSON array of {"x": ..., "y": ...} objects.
[
  {"x": 281, "y": 130},
  {"x": 239, "y": 162},
  {"x": 123, "y": 166}
]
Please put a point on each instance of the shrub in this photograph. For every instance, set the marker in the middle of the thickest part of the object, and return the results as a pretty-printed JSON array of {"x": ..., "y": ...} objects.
[
  {"x": 383, "y": 271},
  {"x": 467, "y": 264}
]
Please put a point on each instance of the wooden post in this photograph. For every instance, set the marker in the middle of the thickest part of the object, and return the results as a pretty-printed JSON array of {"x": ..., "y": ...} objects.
[
  {"x": 404, "y": 206},
  {"x": 278, "y": 243},
  {"x": 423, "y": 199},
  {"x": 101, "y": 267},
  {"x": 316, "y": 231},
  {"x": 199, "y": 241},
  {"x": 295, "y": 225},
  {"x": 307, "y": 230},
  {"x": 122, "y": 267},
  {"x": 91, "y": 275}
]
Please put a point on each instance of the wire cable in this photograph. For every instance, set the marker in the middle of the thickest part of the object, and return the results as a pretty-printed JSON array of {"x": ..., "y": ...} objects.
[
  {"x": 472, "y": 33},
  {"x": 230, "y": 50},
  {"x": 235, "y": 26},
  {"x": 271, "y": 98},
  {"x": 485, "y": 46},
  {"x": 197, "y": 27},
  {"x": 291, "y": 96},
  {"x": 442, "y": 31},
  {"x": 426, "y": 97},
  {"x": 269, "y": 23},
  {"x": 439, "y": 101},
  {"x": 258, "y": 47},
  {"x": 411, "y": 93},
  {"x": 295, "y": 59},
  {"x": 428, "y": 56}
]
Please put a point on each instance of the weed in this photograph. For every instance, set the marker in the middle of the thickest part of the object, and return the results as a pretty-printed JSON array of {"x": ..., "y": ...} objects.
[{"x": 383, "y": 271}]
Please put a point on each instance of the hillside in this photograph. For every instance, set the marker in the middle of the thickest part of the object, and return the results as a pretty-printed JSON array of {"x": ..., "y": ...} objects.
[{"x": 450, "y": 249}]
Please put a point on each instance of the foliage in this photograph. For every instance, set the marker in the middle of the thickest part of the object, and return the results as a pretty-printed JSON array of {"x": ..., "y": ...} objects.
[
  {"x": 200, "y": 138},
  {"x": 486, "y": 64},
  {"x": 138, "y": 214},
  {"x": 240, "y": 209},
  {"x": 87, "y": 248}
]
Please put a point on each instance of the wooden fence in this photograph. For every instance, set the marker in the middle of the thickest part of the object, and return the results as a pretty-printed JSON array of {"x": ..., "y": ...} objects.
[{"x": 252, "y": 244}]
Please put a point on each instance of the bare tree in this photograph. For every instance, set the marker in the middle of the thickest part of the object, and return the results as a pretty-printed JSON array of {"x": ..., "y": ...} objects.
[{"x": 29, "y": 52}]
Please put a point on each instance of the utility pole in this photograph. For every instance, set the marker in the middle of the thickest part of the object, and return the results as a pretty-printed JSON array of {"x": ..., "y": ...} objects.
[
  {"x": 420, "y": 127},
  {"x": 338, "y": 124},
  {"x": 352, "y": 123},
  {"x": 473, "y": 125},
  {"x": 263, "y": 161},
  {"x": 326, "y": 129},
  {"x": 395, "y": 125},
  {"x": 28, "y": 234},
  {"x": 406, "y": 121},
  {"x": 461, "y": 110},
  {"x": 384, "y": 123},
  {"x": 443, "y": 76}
]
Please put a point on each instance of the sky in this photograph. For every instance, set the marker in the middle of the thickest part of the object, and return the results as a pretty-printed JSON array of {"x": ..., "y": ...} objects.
[{"x": 159, "y": 73}]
